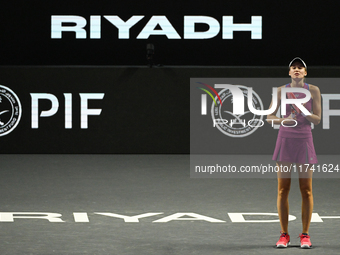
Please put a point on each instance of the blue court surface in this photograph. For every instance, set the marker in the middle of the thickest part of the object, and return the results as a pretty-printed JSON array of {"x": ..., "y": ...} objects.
[{"x": 148, "y": 204}]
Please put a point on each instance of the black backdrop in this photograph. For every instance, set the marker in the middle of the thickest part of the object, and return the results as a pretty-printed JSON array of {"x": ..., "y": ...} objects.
[
  {"x": 144, "y": 110},
  {"x": 289, "y": 28}
]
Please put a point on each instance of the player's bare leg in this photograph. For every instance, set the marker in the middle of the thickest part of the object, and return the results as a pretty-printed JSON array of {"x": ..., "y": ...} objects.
[
  {"x": 305, "y": 182},
  {"x": 284, "y": 182}
]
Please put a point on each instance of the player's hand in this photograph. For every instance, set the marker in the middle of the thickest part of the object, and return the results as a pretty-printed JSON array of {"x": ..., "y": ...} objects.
[{"x": 290, "y": 120}]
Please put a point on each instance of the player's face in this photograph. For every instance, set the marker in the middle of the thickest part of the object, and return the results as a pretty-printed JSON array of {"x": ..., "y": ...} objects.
[{"x": 297, "y": 71}]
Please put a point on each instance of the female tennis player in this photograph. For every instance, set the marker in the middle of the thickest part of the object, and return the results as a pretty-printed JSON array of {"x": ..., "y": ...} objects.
[{"x": 294, "y": 145}]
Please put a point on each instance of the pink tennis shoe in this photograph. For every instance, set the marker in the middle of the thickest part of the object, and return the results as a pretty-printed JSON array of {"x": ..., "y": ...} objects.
[
  {"x": 305, "y": 241},
  {"x": 283, "y": 241}
]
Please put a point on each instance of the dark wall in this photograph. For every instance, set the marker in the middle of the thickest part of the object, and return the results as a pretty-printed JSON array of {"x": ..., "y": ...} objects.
[
  {"x": 144, "y": 110},
  {"x": 289, "y": 28}
]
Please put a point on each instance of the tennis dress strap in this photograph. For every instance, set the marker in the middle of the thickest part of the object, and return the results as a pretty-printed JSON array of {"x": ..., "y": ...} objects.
[{"x": 305, "y": 84}]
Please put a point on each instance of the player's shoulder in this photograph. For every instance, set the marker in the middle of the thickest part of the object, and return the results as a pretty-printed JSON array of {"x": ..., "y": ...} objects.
[
  {"x": 280, "y": 88},
  {"x": 279, "y": 91},
  {"x": 283, "y": 86},
  {"x": 314, "y": 88}
]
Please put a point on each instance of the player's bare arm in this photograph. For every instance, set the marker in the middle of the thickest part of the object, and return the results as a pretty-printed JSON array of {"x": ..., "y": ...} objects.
[{"x": 315, "y": 117}]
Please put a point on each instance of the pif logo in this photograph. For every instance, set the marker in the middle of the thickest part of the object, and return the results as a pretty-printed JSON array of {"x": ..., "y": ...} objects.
[{"x": 10, "y": 110}]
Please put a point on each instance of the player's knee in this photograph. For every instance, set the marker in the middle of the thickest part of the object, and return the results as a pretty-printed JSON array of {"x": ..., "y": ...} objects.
[
  {"x": 306, "y": 192},
  {"x": 283, "y": 191}
]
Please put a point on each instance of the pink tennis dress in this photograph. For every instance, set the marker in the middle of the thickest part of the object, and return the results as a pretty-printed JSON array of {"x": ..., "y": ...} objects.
[{"x": 295, "y": 144}]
